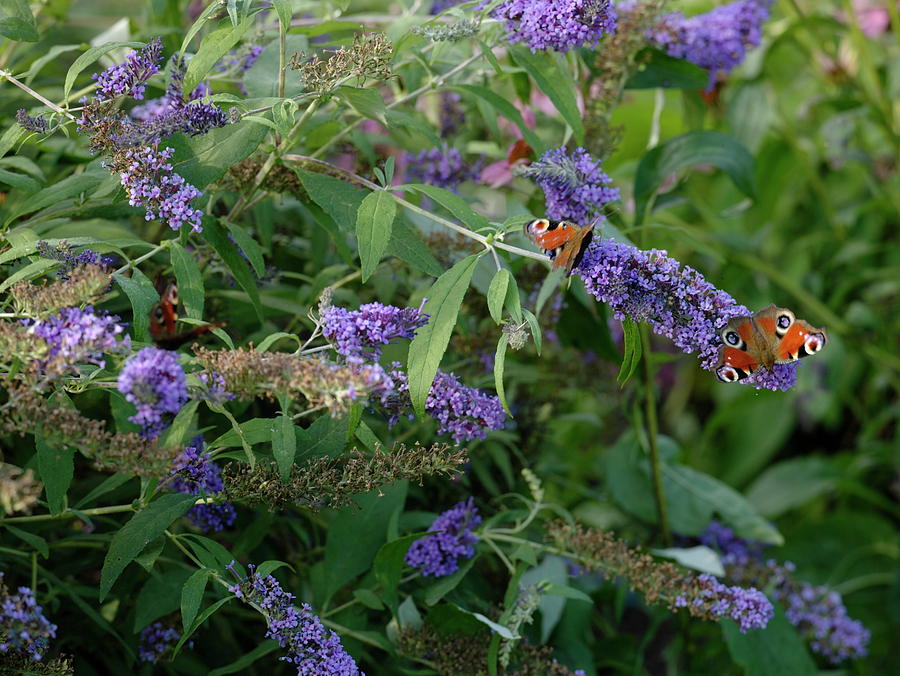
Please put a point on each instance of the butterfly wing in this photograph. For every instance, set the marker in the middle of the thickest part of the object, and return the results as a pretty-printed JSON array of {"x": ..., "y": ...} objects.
[
  {"x": 173, "y": 342},
  {"x": 564, "y": 241},
  {"x": 790, "y": 338},
  {"x": 164, "y": 314},
  {"x": 737, "y": 359}
]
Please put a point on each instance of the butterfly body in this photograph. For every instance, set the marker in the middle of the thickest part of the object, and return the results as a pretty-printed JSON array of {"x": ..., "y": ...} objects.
[
  {"x": 771, "y": 336},
  {"x": 164, "y": 319},
  {"x": 564, "y": 241}
]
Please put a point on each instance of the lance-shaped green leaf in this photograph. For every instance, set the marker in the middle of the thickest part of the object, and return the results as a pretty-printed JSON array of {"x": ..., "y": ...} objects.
[
  {"x": 284, "y": 445},
  {"x": 547, "y": 71},
  {"x": 427, "y": 348},
  {"x": 374, "y": 222},
  {"x": 499, "y": 366},
  {"x": 497, "y": 294},
  {"x": 212, "y": 48},
  {"x": 89, "y": 57},
  {"x": 143, "y": 528},
  {"x": 189, "y": 278},
  {"x": 143, "y": 296},
  {"x": 633, "y": 351},
  {"x": 56, "y": 466}
]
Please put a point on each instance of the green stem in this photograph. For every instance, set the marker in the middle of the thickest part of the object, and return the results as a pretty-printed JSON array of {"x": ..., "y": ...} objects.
[
  {"x": 68, "y": 514},
  {"x": 659, "y": 495},
  {"x": 21, "y": 85}
]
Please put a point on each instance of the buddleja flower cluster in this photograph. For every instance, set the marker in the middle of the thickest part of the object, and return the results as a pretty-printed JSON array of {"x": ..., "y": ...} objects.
[
  {"x": 63, "y": 253},
  {"x": 717, "y": 40},
  {"x": 75, "y": 336},
  {"x": 362, "y": 333},
  {"x": 438, "y": 554},
  {"x": 23, "y": 627},
  {"x": 443, "y": 167},
  {"x": 312, "y": 648},
  {"x": 817, "y": 612},
  {"x": 560, "y": 25},
  {"x": 154, "y": 382},
  {"x": 156, "y": 639},
  {"x": 195, "y": 473},
  {"x": 675, "y": 300},
  {"x": 702, "y": 596},
  {"x": 131, "y": 144},
  {"x": 575, "y": 186}
]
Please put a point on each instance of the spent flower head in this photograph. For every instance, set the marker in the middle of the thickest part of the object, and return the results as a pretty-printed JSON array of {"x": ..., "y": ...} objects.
[
  {"x": 30, "y": 122},
  {"x": 438, "y": 554},
  {"x": 560, "y": 25},
  {"x": 312, "y": 648},
  {"x": 368, "y": 57},
  {"x": 675, "y": 300},
  {"x": 154, "y": 382},
  {"x": 575, "y": 186}
]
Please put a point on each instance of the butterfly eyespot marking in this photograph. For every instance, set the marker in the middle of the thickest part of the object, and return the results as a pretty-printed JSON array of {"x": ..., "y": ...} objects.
[
  {"x": 814, "y": 342},
  {"x": 783, "y": 322},
  {"x": 732, "y": 338},
  {"x": 158, "y": 312},
  {"x": 728, "y": 374}
]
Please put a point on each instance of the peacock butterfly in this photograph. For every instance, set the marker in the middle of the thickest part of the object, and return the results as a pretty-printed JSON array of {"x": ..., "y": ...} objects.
[
  {"x": 772, "y": 336},
  {"x": 564, "y": 241},
  {"x": 164, "y": 317}
]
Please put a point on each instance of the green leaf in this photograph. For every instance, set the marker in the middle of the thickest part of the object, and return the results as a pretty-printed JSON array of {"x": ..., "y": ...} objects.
[
  {"x": 553, "y": 280},
  {"x": 284, "y": 10},
  {"x": 89, "y": 57},
  {"x": 249, "y": 246},
  {"x": 406, "y": 245},
  {"x": 189, "y": 278},
  {"x": 633, "y": 351},
  {"x": 212, "y": 48},
  {"x": 245, "y": 660},
  {"x": 547, "y": 71},
  {"x": 499, "y": 364},
  {"x": 28, "y": 272},
  {"x": 388, "y": 566},
  {"x": 664, "y": 71},
  {"x": 10, "y": 137},
  {"x": 199, "y": 623},
  {"x": 426, "y": 349},
  {"x": 57, "y": 192},
  {"x": 327, "y": 436},
  {"x": 338, "y": 199},
  {"x": 40, "y": 544},
  {"x": 567, "y": 593},
  {"x": 695, "y": 147},
  {"x": 204, "y": 159},
  {"x": 507, "y": 110},
  {"x": 52, "y": 55},
  {"x": 143, "y": 297},
  {"x": 192, "y": 596},
  {"x": 17, "y": 21},
  {"x": 374, "y": 224},
  {"x": 143, "y": 527},
  {"x": 453, "y": 203},
  {"x": 777, "y": 649},
  {"x": 56, "y": 467},
  {"x": 216, "y": 236},
  {"x": 535, "y": 328},
  {"x": 19, "y": 181},
  {"x": 365, "y": 101},
  {"x": 158, "y": 597},
  {"x": 284, "y": 445},
  {"x": 792, "y": 483},
  {"x": 699, "y": 558},
  {"x": 356, "y": 535},
  {"x": 178, "y": 431},
  {"x": 445, "y": 585},
  {"x": 552, "y": 570},
  {"x": 368, "y": 598},
  {"x": 495, "y": 627},
  {"x": 109, "y": 484},
  {"x": 397, "y": 118},
  {"x": 496, "y": 295}
]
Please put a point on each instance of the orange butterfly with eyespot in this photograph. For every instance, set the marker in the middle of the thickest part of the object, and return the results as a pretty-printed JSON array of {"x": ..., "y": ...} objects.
[
  {"x": 771, "y": 336},
  {"x": 564, "y": 241},
  {"x": 164, "y": 317}
]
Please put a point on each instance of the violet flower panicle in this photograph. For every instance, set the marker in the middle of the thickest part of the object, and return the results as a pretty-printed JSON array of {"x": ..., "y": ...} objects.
[
  {"x": 560, "y": 25},
  {"x": 195, "y": 473},
  {"x": 23, "y": 627},
  {"x": 154, "y": 382},
  {"x": 438, "y": 554},
  {"x": 130, "y": 78}
]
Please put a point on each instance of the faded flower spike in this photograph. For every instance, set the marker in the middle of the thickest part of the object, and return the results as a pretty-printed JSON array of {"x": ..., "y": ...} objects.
[
  {"x": 717, "y": 40},
  {"x": 154, "y": 382},
  {"x": 312, "y": 648},
  {"x": 560, "y": 25},
  {"x": 130, "y": 78},
  {"x": 575, "y": 186},
  {"x": 30, "y": 122},
  {"x": 675, "y": 300},
  {"x": 438, "y": 554},
  {"x": 23, "y": 627},
  {"x": 361, "y": 333}
]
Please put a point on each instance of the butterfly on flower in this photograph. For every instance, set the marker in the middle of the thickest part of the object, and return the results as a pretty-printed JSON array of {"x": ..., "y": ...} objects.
[
  {"x": 564, "y": 241},
  {"x": 164, "y": 318}
]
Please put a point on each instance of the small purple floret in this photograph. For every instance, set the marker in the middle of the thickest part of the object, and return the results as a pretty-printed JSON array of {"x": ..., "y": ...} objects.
[
  {"x": 80, "y": 336},
  {"x": 156, "y": 640},
  {"x": 560, "y": 25},
  {"x": 362, "y": 333},
  {"x": 23, "y": 627},
  {"x": 438, "y": 554},
  {"x": 130, "y": 78},
  {"x": 443, "y": 167},
  {"x": 195, "y": 473}
]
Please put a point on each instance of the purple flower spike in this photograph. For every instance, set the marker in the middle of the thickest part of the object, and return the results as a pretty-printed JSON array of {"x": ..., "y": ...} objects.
[
  {"x": 153, "y": 381},
  {"x": 149, "y": 181},
  {"x": 155, "y": 641},
  {"x": 361, "y": 333},
  {"x": 443, "y": 167},
  {"x": 575, "y": 186},
  {"x": 438, "y": 554},
  {"x": 748, "y": 607},
  {"x": 556, "y": 24},
  {"x": 717, "y": 40},
  {"x": 23, "y": 627},
  {"x": 80, "y": 336},
  {"x": 130, "y": 78},
  {"x": 675, "y": 300},
  {"x": 195, "y": 473},
  {"x": 312, "y": 648}
]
